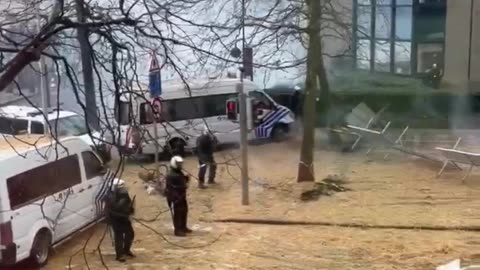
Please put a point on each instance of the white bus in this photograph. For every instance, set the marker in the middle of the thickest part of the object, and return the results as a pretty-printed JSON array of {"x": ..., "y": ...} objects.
[
  {"x": 183, "y": 114},
  {"x": 48, "y": 191}
]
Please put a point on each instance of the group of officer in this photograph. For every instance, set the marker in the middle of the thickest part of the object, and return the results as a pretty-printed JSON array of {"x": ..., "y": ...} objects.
[{"x": 120, "y": 207}]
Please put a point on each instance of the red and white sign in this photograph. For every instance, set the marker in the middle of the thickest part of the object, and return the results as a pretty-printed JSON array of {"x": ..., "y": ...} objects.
[{"x": 157, "y": 107}]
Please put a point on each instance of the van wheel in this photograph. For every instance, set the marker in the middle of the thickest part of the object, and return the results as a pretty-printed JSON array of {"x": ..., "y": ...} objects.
[
  {"x": 41, "y": 248},
  {"x": 279, "y": 133}
]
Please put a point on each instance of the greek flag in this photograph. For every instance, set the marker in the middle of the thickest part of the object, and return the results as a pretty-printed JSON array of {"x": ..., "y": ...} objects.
[{"x": 105, "y": 187}]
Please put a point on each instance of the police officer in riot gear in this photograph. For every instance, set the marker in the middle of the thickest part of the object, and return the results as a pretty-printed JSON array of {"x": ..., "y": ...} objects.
[
  {"x": 176, "y": 193},
  {"x": 119, "y": 208},
  {"x": 205, "y": 148}
]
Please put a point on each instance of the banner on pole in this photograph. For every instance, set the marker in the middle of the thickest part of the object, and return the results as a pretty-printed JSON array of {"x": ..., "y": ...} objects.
[{"x": 155, "y": 78}]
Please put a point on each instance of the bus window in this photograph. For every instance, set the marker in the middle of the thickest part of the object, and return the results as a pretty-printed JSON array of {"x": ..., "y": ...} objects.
[
  {"x": 122, "y": 113},
  {"x": 146, "y": 113}
]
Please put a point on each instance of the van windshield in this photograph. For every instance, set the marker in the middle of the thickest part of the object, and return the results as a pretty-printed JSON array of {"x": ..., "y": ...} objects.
[{"x": 69, "y": 126}]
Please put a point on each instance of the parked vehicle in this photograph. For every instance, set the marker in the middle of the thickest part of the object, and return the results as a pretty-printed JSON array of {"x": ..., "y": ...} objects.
[
  {"x": 266, "y": 119},
  {"x": 48, "y": 191},
  {"x": 16, "y": 120},
  {"x": 183, "y": 113},
  {"x": 290, "y": 96}
]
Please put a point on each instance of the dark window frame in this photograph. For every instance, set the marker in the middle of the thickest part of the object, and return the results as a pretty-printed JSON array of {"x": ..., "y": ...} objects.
[
  {"x": 10, "y": 126},
  {"x": 90, "y": 172},
  {"x": 38, "y": 124},
  {"x": 203, "y": 107},
  {"x": 120, "y": 107},
  {"x": 43, "y": 181},
  {"x": 393, "y": 39},
  {"x": 270, "y": 104}
]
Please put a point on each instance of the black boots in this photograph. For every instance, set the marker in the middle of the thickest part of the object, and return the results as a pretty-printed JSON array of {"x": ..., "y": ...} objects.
[{"x": 180, "y": 233}]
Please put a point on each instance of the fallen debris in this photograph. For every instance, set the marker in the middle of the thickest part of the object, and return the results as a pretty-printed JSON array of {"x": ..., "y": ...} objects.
[
  {"x": 327, "y": 187},
  {"x": 152, "y": 184}
]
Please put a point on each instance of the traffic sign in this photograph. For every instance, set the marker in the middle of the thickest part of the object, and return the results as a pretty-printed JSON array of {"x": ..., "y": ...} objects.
[
  {"x": 157, "y": 107},
  {"x": 155, "y": 78}
]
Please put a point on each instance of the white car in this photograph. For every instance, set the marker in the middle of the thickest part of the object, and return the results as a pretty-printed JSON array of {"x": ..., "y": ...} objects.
[
  {"x": 17, "y": 120},
  {"x": 47, "y": 193}
]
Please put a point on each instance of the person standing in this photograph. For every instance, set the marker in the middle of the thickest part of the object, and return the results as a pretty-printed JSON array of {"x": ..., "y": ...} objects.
[
  {"x": 205, "y": 147},
  {"x": 176, "y": 193},
  {"x": 119, "y": 208}
]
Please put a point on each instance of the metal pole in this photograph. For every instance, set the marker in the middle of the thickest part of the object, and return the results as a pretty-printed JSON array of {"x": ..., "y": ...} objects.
[
  {"x": 243, "y": 119},
  {"x": 243, "y": 28},
  {"x": 43, "y": 81},
  {"x": 157, "y": 148},
  {"x": 243, "y": 140}
]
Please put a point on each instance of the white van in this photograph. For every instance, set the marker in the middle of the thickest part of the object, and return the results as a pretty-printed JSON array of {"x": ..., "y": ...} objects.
[
  {"x": 15, "y": 120},
  {"x": 47, "y": 192},
  {"x": 183, "y": 114}
]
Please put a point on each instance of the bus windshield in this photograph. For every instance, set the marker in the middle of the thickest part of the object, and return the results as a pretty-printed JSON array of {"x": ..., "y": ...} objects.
[{"x": 69, "y": 126}]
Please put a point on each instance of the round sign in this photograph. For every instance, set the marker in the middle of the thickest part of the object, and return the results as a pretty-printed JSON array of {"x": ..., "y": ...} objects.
[
  {"x": 157, "y": 107},
  {"x": 235, "y": 52}
]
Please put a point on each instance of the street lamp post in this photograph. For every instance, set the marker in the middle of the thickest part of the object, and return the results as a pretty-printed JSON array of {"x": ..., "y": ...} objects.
[{"x": 43, "y": 80}]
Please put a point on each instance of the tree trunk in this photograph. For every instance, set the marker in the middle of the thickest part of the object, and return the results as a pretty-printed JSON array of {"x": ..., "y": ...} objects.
[
  {"x": 314, "y": 60},
  {"x": 87, "y": 69}
]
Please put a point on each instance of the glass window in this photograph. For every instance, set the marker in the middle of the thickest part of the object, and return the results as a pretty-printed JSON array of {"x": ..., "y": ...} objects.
[
  {"x": 260, "y": 100},
  {"x": 35, "y": 184},
  {"x": 146, "y": 114},
  {"x": 382, "y": 56},
  {"x": 10, "y": 126},
  {"x": 93, "y": 166},
  {"x": 402, "y": 57},
  {"x": 188, "y": 108},
  {"x": 69, "y": 126},
  {"x": 404, "y": 2},
  {"x": 215, "y": 105},
  {"x": 429, "y": 54},
  {"x": 403, "y": 20},
  {"x": 36, "y": 127},
  {"x": 383, "y": 22},
  {"x": 383, "y": 2},
  {"x": 364, "y": 2},
  {"x": 363, "y": 54},
  {"x": 122, "y": 113},
  {"x": 364, "y": 22}
]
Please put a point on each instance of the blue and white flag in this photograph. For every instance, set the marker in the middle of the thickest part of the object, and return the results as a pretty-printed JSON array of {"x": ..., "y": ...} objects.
[{"x": 155, "y": 78}]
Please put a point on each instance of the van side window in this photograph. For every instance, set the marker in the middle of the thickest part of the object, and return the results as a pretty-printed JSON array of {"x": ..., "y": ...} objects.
[
  {"x": 146, "y": 114},
  {"x": 215, "y": 105},
  {"x": 13, "y": 126},
  {"x": 187, "y": 108},
  {"x": 122, "y": 113},
  {"x": 36, "y": 127},
  {"x": 261, "y": 99},
  {"x": 93, "y": 166},
  {"x": 40, "y": 182}
]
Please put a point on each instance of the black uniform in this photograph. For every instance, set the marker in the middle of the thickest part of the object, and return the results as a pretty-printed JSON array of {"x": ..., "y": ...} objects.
[
  {"x": 178, "y": 149},
  {"x": 205, "y": 145},
  {"x": 119, "y": 209},
  {"x": 176, "y": 193}
]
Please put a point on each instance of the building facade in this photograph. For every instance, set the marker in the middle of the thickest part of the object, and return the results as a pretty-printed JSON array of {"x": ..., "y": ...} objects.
[
  {"x": 407, "y": 37},
  {"x": 403, "y": 37}
]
